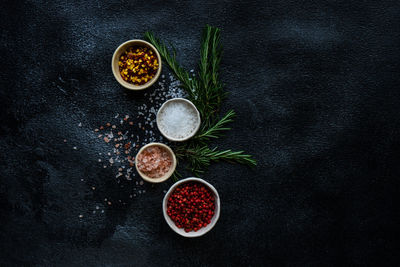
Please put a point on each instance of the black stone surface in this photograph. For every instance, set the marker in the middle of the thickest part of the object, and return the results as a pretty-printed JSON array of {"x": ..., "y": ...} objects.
[{"x": 316, "y": 89}]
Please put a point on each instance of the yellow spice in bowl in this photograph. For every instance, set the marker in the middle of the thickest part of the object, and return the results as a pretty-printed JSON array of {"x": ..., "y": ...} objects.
[{"x": 138, "y": 65}]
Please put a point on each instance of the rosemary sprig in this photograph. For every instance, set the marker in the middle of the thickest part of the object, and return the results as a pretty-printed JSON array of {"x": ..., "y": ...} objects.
[
  {"x": 200, "y": 157},
  {"x": 214, "y": 131},
  {"x": 207, "y": 94},
  {"x": 188, "y": 83},
  {"x": 211, "y": 91}
]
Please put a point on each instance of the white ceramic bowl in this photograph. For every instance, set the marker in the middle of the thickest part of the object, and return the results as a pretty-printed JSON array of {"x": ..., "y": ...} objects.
[
  {"x": 165, "y": 105},
  {"x": 115, "y": 68},
  {"x": 168, "y": 174},
  {"x": 202, "y": 230}
]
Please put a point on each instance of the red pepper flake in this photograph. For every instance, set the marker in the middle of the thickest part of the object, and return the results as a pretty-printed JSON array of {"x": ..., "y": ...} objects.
[
  {"x": 119, "y": 133},
  {"x": 138, "y": 65},
  {"x": 108, "y": 124},
  {"x": 106, "y": 139},
  {"x": 191, "y": 206},
  {"x": 96, "y": 130},
  {"x": 116, "y": 145},
  {"x": 101, "y": 127},
  {"x": 113, "y": 126},
  {"x": 131, "y": 123}
]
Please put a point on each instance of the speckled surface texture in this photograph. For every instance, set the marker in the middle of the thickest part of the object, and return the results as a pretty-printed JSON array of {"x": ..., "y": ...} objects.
[{"x": 316, "y": 91}]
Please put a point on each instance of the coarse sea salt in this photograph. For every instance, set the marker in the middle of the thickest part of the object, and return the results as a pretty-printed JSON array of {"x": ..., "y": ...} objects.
[{"x": 178, "y": 119}]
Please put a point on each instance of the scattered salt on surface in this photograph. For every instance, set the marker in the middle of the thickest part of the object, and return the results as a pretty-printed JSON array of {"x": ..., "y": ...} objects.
[{"x": 142, "y": 129}]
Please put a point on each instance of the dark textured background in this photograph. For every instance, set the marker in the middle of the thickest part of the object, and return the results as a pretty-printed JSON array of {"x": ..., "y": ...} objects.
[{"x": 316, "y": 90}]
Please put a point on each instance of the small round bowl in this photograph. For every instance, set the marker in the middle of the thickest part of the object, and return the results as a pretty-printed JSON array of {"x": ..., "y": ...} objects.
[
  {"x": 202, "y": 230},
  {"x": 168, "y": 102},
  {"x": 115, "y": 68},
  {"x": 167, "y": 175}
]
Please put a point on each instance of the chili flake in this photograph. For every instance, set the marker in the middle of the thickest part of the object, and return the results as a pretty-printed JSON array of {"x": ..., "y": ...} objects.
[{"x": 138, "y": 65}]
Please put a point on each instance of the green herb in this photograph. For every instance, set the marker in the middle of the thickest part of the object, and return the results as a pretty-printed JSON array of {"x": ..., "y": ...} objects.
[
  {"x": 207, "y": 93},
  {"x": 200, "y": 157}
]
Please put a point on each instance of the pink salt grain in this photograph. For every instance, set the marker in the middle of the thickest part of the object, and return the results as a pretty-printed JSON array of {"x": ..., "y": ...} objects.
[{"x": 154, "y": 161}]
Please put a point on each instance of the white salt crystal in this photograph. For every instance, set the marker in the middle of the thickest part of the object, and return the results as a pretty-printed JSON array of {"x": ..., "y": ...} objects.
[{"x": 178, "y": 119}]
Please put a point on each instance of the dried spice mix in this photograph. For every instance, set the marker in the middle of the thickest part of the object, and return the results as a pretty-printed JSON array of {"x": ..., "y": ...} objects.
[
  {"x": 191, "y": 206},
  {"x": 138, "y": 65}
]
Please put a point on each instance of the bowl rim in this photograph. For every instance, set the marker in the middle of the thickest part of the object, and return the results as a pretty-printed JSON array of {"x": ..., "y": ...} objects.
[
  {"x": 167, "y": 175},
  {"x": 214, "y": 219},
  {"x": 176, "y": 99},
  {"x": 117, "y": 75}
]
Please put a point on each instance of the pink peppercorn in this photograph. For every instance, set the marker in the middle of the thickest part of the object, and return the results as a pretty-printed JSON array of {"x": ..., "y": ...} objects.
[{"x": 191, "y": 206}]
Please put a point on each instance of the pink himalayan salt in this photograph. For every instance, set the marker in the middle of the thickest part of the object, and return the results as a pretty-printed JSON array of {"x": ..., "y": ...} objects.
[{"x": 154, "y": 161}]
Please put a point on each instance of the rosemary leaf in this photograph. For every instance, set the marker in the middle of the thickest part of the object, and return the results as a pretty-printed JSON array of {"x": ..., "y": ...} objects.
[
  {"x": 207, "y": 93},
  {"x": 215, "y": 131}
]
